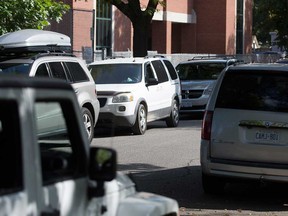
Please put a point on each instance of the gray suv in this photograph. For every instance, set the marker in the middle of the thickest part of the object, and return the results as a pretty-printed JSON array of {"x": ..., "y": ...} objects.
[{"x": 198, "y": 76}]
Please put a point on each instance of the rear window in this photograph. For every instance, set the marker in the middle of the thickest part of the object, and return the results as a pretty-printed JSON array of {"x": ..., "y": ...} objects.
[
  {"x": 254, "y": 90},
  {"x": 200, "y": 71}
]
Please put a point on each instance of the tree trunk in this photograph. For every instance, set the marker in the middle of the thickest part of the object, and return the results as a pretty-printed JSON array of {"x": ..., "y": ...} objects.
[{"x": 140, "y": 38}]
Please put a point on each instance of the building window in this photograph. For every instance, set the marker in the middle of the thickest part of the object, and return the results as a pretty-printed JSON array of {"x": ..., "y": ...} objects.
[
  {"x": 240, "y": 25},
  {"x": 103, "y": 25}
]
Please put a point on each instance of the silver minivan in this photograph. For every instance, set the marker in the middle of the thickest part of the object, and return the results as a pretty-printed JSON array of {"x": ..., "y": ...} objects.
[
  {"x": 245, "y": 126},
  {"x": 198, "y": 76}
]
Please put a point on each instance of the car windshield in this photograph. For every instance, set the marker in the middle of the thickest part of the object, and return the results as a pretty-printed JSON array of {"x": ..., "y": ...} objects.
[
  {"x": 200, "y": 71},
  {"x": 15, "y": 68},
  {"x": 116, "y": 73}
]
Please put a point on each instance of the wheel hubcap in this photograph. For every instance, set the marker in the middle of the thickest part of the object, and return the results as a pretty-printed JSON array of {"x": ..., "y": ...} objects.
[
  {"x": 87, "y": 124},
  {"x": 176, "y": 113},
  {"x": 142, "y": 119}
]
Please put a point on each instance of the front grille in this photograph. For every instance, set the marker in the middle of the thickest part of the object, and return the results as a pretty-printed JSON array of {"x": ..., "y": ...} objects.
[
  {"x": 102, "y": 101},
  {"x": 190, "y": 94}
]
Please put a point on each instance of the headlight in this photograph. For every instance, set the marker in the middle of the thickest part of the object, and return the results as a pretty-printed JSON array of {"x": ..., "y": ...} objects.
[{"x": 123, "y": 97}]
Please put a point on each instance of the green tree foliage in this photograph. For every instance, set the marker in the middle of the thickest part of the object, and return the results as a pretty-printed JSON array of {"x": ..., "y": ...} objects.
[
  {"x": 140, "y": 17},
  {"x": 35, "y": 14},
  {"x": 269, "y": 16}
]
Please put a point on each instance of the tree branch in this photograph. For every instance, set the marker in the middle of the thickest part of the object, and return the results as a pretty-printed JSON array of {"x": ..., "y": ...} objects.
[{"x": 122, "y": 6}]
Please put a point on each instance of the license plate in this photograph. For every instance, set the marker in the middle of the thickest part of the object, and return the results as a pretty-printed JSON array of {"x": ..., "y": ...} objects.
[
  {"x": 186, "y": 104},
  {"x": 267, "y": 136}
]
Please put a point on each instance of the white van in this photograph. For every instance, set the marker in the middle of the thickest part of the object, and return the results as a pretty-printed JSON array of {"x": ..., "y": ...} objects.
[{"x": 134, "y": 91}]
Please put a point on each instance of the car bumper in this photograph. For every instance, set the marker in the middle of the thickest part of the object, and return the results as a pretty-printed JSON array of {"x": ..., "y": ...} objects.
[
  {"x": 109, "y": 119},
  {"x": 240, "y": 169},
  {"x": 193, "y": 105}
]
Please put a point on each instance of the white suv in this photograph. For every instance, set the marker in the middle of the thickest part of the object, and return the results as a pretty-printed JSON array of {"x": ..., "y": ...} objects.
[
  {"x": 40, "y": 53},
  {"x": 134, "y": 91},
  {"x": 245, "y": 127}
]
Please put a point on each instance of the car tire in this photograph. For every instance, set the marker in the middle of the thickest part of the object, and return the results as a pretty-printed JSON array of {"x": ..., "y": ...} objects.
[
  {"x": 140, "y": 125},
  {"x": 173, "y": 119},
  {"x": 213, "y": 184},
  {"x": 88, "y": 123}
]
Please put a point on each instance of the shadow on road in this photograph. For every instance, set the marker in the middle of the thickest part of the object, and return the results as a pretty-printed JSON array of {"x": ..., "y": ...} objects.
[
  {"x": 101, "y": 132},
  {"x": 184, "y": 185}
]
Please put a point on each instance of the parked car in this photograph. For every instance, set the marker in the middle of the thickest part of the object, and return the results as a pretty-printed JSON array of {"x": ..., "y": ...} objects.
[
  {"x": 267, "y": 56},
  {"x": 134, "y": 91},
  {"x": 244, "y": 134},
  {"x": 198, "y": 76},
  {"x": 64, "y": 175},
  {"x": 282, "y": 61},
  {"x": 40, "y": 53}
]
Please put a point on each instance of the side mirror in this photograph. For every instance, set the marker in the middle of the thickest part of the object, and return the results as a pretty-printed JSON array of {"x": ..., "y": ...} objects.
[
  {"x": 152, "y": 81},
  {"x": 102, "y": 164}
]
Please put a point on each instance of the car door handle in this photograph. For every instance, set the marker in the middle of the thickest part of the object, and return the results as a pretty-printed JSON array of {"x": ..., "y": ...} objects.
[{"x": 76, "y": 91}]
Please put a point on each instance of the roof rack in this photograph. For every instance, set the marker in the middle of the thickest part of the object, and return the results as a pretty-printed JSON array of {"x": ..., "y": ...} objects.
[
  {"x": 39, "y": 55},
  {"x": 212, "y": 57},
  {"x": 114, "y": 57},
  {"x": 32, "y": 55},
  {"x": 154, "y": 56},
  {"x": 34, "y": 49}
]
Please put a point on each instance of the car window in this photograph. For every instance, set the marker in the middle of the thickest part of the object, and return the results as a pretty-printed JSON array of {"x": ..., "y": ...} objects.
[
  {"x": 10, "y": 148},
  {"x": 60, "y": 158},
  {"x": 171, "y": 69},
  {"x": 200, "y": 71},
  {"x": 42, "y": 71},
  {"x": 57, "y": 70},
  {"x": 116, "y": 73},
  {"x": 15, "y": 68},
  {"x": 148, "y": 72},
  {"x": 77, "y": 72},
  {"x": 160, "y": 71},
  {"x": 252, "y": 90}
]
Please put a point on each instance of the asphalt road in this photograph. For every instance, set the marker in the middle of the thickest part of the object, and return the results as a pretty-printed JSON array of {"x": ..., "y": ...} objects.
[{"x": 166, "y": 161}]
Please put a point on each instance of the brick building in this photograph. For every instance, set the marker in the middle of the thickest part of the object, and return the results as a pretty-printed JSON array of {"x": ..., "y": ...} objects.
[{"x": 182, "y": 26}]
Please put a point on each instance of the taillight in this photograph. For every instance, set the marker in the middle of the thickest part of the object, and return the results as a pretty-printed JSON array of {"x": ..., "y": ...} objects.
[{"x": 207, "y": 125}]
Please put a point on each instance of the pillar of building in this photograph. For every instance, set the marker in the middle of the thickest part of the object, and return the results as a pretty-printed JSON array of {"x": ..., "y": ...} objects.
[{"x": 162, "y": 36}]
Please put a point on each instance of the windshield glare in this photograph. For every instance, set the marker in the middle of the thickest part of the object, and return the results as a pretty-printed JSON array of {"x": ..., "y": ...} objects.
[
  {"x": 116, "y": 73},
  {"x": 15, "y": 68},
  {"x": 200, "y": 71}
]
